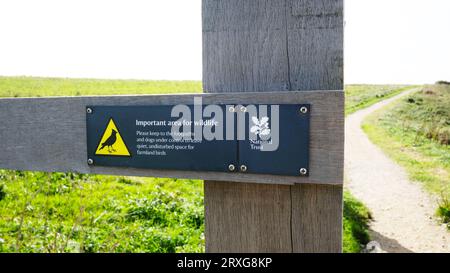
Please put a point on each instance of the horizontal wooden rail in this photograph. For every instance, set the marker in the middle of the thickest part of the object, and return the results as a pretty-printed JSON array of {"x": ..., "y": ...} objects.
[{"x": 49, "y": 134}]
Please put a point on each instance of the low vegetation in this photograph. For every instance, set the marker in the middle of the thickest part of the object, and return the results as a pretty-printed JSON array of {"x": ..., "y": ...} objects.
[
  {"x": 415, "y": 132},
  {"x": 43, "y": 212},
  {"x": 50, "y": 87},
  {"x": 358, "y": 97},
  {"x": 356, "y": 224}
]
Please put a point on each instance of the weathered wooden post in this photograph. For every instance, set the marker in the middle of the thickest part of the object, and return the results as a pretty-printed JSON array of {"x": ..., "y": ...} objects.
[{"x": 278, "y": 45}]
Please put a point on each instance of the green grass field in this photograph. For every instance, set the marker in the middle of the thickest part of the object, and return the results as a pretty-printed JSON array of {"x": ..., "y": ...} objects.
[
  {"x": 50, "y": 87},
  {"x": 358, "y": 97},
  {"x": 42, "y": 212},
  {"x": 415, "y": 132}
]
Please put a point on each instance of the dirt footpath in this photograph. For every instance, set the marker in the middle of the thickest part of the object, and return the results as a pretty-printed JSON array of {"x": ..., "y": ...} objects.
[{"x": 403, "y": 213}]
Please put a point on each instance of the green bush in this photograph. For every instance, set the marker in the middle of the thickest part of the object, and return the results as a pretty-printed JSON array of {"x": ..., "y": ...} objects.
[
  {"x": 443, "y": 82},
  {"x": 444, "y": 211}
]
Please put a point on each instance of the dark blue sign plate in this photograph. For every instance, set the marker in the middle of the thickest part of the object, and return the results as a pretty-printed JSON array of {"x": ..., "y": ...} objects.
[
  {"x": 276, "y": 140},
  {"x": 291, "y": 154},
  {"x": 143, "y": 139}
]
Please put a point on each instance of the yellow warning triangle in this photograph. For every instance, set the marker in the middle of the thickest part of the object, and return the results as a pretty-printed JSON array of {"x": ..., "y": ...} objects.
[{"x": 111, "y": 142}]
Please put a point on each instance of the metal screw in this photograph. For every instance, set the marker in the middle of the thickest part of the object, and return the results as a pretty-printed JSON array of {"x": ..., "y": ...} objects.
[
  {"x": 243, "y": 109},
  {"x": 243, "y": 168},
  {"x": 303, "y": 171},
  {"x": 231, "y": 168},
  {"x": 90, "y": 161},
  {"x": 231, "y": 109},
  {"x": 303, "y": 109},
  {"x": 89, "y": 110}
]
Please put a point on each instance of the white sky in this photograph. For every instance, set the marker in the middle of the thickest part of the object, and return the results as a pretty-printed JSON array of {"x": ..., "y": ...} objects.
[{"x": 386, "y": 41}]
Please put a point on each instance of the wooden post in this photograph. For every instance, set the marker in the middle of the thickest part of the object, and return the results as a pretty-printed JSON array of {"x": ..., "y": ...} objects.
[{"x": 273, "y": 45}]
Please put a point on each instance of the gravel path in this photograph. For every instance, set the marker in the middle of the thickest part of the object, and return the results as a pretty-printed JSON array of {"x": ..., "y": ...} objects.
[{"x": 403, "y": 213}]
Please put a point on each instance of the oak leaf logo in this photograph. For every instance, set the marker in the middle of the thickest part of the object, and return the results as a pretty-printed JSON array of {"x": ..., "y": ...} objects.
[{"x": 260, "y": 126}]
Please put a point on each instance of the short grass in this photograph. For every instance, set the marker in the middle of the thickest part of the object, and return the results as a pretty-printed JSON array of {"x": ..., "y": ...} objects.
[
  {"x": 356, "y": 224},
  {"x": 358, "y": 97},
  {"x": 42, "y": 212},
  {"x": 50, "y": 87},
  {"x": 415, "y": 132}
]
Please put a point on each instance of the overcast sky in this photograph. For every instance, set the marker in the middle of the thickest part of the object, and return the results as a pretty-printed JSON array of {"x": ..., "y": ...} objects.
[{"x": 386, "y": 41}]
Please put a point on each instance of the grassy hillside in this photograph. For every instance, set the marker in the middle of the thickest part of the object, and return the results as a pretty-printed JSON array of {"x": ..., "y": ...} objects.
[
  {"x": 361, "y": 96},
  {"x": 415, "y": 132},
  {"x": 41, "y": 212}
]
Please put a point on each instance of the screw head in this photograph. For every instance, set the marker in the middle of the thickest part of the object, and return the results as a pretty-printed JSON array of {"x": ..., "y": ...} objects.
[
  {"x": 231, "y": 168},
  {"x": 90, "y": 161},
  {"x": 243, "y": 109},
  {"x": 89, "y": 110},
  {"x": 231, "y": 109},
  {"x": 243, "y": 168},
  {"x": 303, "y": 171},
  {"x": 303, "y": 109}
]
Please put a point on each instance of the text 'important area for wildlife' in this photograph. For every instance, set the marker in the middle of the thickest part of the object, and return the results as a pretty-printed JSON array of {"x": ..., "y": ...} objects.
[{"x": 260, "y": 139}]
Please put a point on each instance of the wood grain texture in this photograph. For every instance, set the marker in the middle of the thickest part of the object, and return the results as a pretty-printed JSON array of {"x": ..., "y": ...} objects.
[
  {"x": 242, "y": 217},
  {"x": 268, "y": 45},
  {"x": 244, "y": 46},
  {"x": 315, "y": 44},
  {"x": 276, "y": 45},
  {"x": 49, "y": 134},
  {"x": 317, "y": 218}
]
